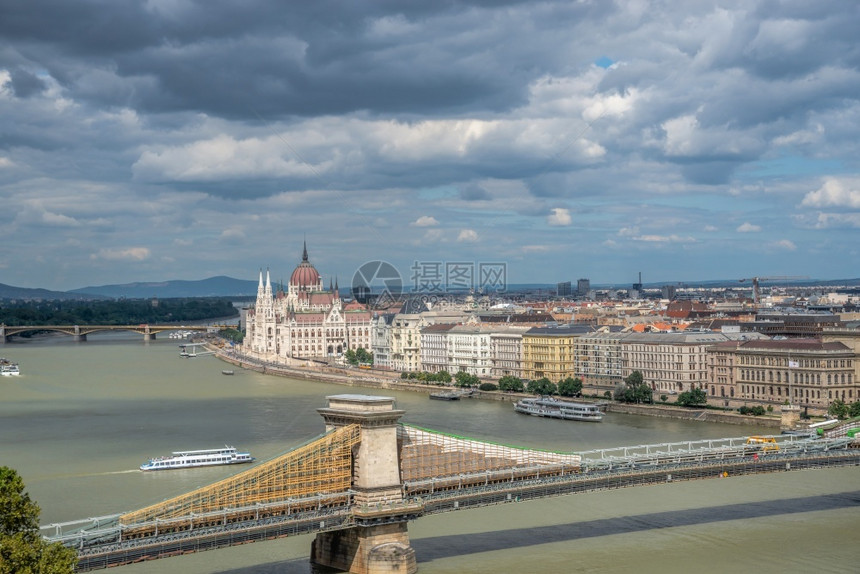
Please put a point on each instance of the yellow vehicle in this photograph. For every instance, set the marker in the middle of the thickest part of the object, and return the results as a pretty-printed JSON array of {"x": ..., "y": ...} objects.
[{"x": 768, "y": 443}]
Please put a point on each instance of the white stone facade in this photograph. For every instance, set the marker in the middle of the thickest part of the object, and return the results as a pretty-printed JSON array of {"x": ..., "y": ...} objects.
[{"x": 304, "y": 322}]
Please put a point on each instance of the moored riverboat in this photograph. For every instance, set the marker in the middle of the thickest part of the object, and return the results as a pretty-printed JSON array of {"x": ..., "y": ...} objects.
[
  {"x": 196, "y": 458},
  {"x": 556, "y": 409},
  {"x": 445, "y": 396}
]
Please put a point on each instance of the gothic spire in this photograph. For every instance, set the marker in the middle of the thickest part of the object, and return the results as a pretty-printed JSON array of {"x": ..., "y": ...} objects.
[{"x": 305, "y": 251}]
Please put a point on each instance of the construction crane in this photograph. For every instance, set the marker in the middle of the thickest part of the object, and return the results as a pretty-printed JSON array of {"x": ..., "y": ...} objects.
[{"x": 757, "y": 280}]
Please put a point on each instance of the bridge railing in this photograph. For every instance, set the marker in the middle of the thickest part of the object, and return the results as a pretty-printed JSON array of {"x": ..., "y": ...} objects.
[
  {"x": 708, "y": 449},
  {"x": 90, "y": 532}
]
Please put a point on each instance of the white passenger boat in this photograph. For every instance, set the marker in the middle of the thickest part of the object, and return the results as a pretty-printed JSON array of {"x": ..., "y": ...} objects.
[
  {"x": 195, "y": 458},
  {"x": 553, "y": 408},
  {"x": 9, "y": 369}
]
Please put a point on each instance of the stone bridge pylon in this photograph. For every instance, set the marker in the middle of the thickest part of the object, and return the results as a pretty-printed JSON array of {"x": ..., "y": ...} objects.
[{"x": 378, "y": 543}]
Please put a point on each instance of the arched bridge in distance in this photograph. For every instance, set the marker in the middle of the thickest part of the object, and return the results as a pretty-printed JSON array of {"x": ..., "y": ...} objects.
[
  {"x": 80, "y": 332},
  {"x": 357, "y": 485}
]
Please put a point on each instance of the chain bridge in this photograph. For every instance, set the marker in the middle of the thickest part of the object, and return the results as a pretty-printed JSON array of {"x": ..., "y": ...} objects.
[{"x": 357, "y": 485}]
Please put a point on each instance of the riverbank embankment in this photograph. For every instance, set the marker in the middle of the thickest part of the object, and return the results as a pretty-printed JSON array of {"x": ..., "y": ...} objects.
[{"x": 376, "y": 379}]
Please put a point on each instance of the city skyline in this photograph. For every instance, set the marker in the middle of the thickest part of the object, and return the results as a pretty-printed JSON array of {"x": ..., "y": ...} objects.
[{"x": 170, "y": 141}]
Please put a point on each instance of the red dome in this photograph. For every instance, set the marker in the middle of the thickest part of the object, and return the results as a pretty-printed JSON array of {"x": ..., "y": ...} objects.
[{"x": 305, "y": 276}]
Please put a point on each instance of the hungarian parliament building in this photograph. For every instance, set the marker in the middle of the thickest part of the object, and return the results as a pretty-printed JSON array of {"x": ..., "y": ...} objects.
[{"x": 306, "y": 321}]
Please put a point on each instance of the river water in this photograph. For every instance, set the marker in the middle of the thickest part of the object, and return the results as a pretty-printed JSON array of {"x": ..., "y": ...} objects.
[{"x": 83, "y": 416}]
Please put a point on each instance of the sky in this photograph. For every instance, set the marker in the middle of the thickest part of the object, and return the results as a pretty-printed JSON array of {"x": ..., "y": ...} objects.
[{"x": 184, "y": 139}]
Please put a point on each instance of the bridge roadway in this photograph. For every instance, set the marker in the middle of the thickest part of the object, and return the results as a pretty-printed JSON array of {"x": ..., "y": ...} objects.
[
  {"x": 80, "y": 332},
  {"x": 103, "y": 542}
]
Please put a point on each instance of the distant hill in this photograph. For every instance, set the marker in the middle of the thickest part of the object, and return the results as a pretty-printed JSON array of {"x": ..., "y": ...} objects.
[
  {"x": 27, "y": 294},
  {"x": 220, "y": 286}
]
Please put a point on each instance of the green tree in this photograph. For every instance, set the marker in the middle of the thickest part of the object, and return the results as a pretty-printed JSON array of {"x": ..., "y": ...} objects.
[
  {"x": 363, "y": 357},
  {"x": 854, "y": 409},
  {"x": 542, "y": 386},
  {"x": 838, "y": 409},
  {"x": 570, "y": 387},
  {"x": 634, "y": 389},
  {"x": 22, "y": 549},
  {"x": 350, "y": 357},
  {"x": 511, "y": 383},
  {"x": 232, "y": 335},
  {"x": 634, "y": 379},
  {"x": 464, "y": 379},
  {"x": 488, "y": 387},
  {"x": 443, "y": 377},
  {"x": 693, "y": 398}
]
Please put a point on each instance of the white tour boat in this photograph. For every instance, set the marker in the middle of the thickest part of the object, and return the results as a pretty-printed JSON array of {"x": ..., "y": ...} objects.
[
  {"x": 553, "y": 408},
  {"x": 195, "y": 458},
  {"x": 9, "y": 369}
]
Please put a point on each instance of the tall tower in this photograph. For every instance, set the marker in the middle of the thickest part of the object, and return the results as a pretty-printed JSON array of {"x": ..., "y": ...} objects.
[{"x": 379, "y": 542}]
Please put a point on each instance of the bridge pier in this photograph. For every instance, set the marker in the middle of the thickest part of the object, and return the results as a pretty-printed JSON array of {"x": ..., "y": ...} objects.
[
  {"x": 148, "y": 335},
  {"x": 372, "y": 550},
  {"x": 789, "y": 417},
  {"x": 78, "y": 336},
  {"x": 3, "y": 338},
  {"x": 379, "y": 543}
]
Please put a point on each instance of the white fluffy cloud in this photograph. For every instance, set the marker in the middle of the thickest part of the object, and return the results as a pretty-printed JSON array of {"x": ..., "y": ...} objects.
[
  {"x": 748, "y": 227},
  {"x": 129, "y": 254},
  {"x": 785, "y": 244},
  {"x": 223, "y": 157},
  {"x": 835, "y": 192},
  {"x": 559, "y": 216},
  {"x": 467, "y": 236},
  {"x": 425, "y": 221}
]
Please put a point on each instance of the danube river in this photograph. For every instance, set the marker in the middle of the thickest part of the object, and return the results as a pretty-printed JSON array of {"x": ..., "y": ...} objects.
[{"x": 83, "y": 416}]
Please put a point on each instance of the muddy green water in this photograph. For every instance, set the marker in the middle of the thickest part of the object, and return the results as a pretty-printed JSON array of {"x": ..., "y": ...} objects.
[{"x": 83, "y": 417}]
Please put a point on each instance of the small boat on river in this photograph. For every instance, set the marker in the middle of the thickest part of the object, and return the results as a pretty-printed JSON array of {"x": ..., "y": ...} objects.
[
  {"x": 227, "y": 372},
  {"x": 452, "y": 395},
  {"x": 195, "y": 458},
  {"x": 556, "y": 409},
  {"x": 9, "y": 369},
  {"x": 445, "y": 396}
]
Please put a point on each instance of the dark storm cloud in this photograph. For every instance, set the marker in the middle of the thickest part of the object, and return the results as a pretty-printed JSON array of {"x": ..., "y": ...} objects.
[
  {"x": 473, "y": 192},
  {"x": 260, "y": 60},
  {"x": 25, "y": 83}
]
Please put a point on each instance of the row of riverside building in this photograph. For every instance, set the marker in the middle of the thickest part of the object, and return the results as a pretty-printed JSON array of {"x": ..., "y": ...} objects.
[{"x": 734, "y": 367}]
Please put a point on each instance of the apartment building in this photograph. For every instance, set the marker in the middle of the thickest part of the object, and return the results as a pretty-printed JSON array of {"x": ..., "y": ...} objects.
[
  {"x": 598, "y": 358},
  {"x": 549, "y": 352},
  {"x": 469, "y": 350},
  {"x": 434, "y": 348},
  {"x": 506, "y": 352},
  {"x": 805, "y": 372},
  {"x": 669, "y": 362}
]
